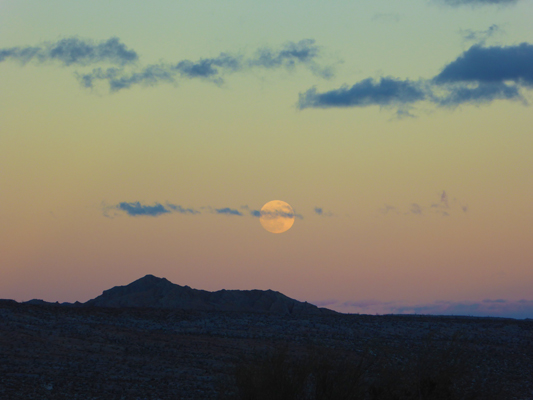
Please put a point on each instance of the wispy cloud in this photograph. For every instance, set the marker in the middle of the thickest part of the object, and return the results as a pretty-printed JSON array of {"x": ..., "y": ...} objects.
[
  {"x": 479, "y": 75},
  {"x": 181, "y": 210},
  {"x": 456, "y": 3},
  {"x": 480, "y": 37},
  {"x": 444, "y": 206},
  {"x": 73, "y": 51},
  {"x": 136, "y": 209},
  {"x": 486, "y": 308},
  {"x": 494, "y": 308},
  {"x": 289, "y": 56},
  {"x": 320, "y": 211},
  {"x": 228, "y": 211}
]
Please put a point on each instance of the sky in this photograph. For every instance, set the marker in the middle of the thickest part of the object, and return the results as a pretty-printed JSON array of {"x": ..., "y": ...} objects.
[{"x": 145, "y": 137}]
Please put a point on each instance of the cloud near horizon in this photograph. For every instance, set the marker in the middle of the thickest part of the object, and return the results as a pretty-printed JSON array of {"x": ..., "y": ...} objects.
[
  {"x": 291, "y": 54},
  {"x": 73, "y": 51},
  {"x": 501, "y": 308},
  {"x": 479, "y": 75}
]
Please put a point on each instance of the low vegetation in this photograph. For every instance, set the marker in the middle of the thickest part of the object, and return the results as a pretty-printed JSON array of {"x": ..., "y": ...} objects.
[{"x": 436, "y": 371}]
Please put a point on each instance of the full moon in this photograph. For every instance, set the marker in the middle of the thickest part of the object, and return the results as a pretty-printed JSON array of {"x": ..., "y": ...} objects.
[{"x": 277, "y": 216}]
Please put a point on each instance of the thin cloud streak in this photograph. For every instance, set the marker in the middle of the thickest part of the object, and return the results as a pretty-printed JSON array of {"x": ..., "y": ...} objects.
[
  {"x": 304, "y": 52},
  {"x": 136, "y": 209},
  {"x": 73, "y": 51},
  {"x": 456, "y": 3},
  {"x": 444, "y": 207},
  {"x": 502, "y": 308},
  {"x": 228, "y": 211}
]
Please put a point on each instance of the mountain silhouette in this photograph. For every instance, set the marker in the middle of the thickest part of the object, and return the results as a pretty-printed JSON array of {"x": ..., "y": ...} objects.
[{"x": 153, "y": 292}]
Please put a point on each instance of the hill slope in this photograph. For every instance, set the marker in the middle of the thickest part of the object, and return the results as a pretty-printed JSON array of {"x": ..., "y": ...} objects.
[{"x": 154, "y": 292}]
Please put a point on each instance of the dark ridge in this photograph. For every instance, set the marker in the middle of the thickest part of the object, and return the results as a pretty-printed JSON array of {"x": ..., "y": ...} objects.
[{"x": 153, "y": 292}]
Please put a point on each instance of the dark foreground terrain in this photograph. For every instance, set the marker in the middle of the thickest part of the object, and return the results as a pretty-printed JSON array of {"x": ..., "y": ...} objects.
[{"x": 65, "y": 352}]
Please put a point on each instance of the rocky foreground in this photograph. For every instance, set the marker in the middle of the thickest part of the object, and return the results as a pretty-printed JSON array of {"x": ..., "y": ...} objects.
[{"x": 65, "y": 352}]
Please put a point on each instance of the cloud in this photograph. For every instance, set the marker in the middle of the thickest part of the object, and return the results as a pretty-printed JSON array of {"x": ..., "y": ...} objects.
[
  {"x": 290, "y": 55},
  {"x": 444, "y": 206},
  {"x": 486, "y": 308},
  {"x": 416, "y": 209},
  {"x": 480, "y": 75},
  {"x": 228, "y": 211},
  {"x": 117, "y": 80},
  {"x": 320, "y": 211},
  {"x": 480, "y": 36},
  {"x": 456, "y": 3},
  {"x": 181, "y": 210},
  {"x": 73, "y": 51},
  {"x": 482, "y": 93},
  {"x": 137, "y": 209},
  {"x": 493, "y": 308},
  {"x": 491, "y": 65},
  {"x": 384, "y": 92}
]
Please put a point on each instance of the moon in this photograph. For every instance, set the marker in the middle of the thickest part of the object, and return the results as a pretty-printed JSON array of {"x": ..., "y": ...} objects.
[{"x": 277, "y": 216}]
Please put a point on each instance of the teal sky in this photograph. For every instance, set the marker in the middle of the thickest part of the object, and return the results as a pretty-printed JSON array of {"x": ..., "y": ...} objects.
[{"x": 144, "y": 137}]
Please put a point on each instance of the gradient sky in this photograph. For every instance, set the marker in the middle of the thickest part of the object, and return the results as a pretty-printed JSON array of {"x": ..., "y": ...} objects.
[{"x": 142, "y": 137}]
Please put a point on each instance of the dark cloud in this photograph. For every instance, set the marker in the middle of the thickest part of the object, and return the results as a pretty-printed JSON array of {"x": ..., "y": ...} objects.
[
  {"x": 319, "y": 210},
  {"x": 228, "y": 211},
  {"x": 209, "y": 67},
  {"x": 480, "y": 75},
  {"x": 367, "y": 92},
  {"x": 71, "y": 51},
  {"x": 482, "y": 93},
  {"x": 255, "y": 213},
  {"x": 491, "y": 65},
  {"x": 304, "y": 52},
  {"x": 479, "y": 2},
  {"x": 137, "y": 209}
]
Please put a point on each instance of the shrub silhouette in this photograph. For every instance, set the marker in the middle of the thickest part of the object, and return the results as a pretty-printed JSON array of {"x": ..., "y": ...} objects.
[
  {"x": 437, "y": 370},
  {"x": 282, "y": 376}
]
